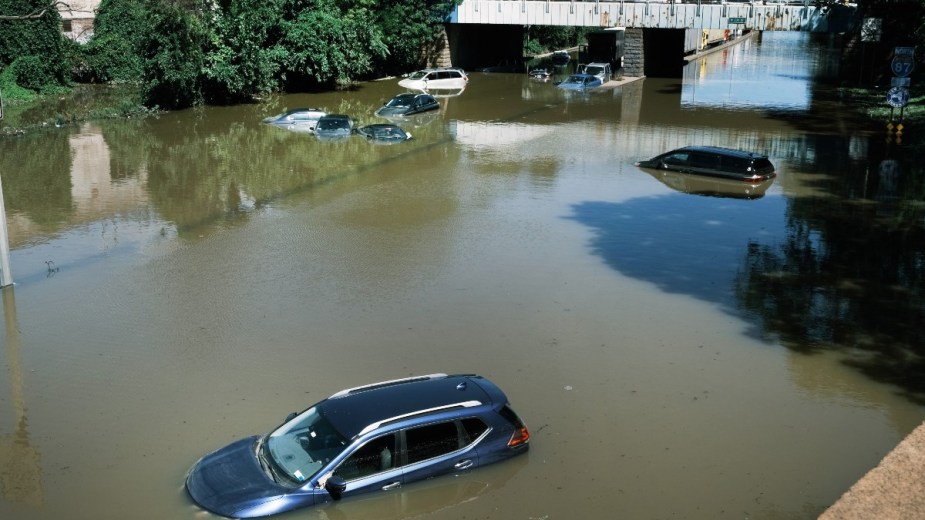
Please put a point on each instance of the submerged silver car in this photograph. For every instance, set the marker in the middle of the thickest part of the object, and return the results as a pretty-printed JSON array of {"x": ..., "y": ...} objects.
[{"x": 297, "y": 120}]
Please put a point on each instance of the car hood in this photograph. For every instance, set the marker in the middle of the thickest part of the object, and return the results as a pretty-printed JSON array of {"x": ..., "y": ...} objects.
[{"x": 230, "y": 479}]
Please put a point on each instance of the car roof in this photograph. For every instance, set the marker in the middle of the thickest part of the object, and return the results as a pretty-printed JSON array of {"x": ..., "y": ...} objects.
[
  {"x": 358, "y": 410},
  {"x": 724, "y": 151},
  {"x": 435, "y": 69}
]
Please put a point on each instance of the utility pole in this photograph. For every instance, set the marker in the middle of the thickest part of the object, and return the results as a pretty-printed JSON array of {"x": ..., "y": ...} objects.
[{"x": 6, "y": 276}]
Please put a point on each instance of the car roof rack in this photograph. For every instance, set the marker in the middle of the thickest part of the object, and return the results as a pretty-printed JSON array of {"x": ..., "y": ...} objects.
[
  {"x": 384, "y": 384},
  {"x": 377, "y": 424}
]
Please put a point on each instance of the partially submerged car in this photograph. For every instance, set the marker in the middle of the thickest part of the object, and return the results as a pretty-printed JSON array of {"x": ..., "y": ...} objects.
[
  {"x": 714, "y": 161},
  {"x": 297, "y": 120},
  {"x": 442, "y": 78},
  {"x": 541, "y": 73},
  {"x": 408, "y": 104},
  {"x": 334, "y": 126},
  {"x": 384, "y": 133},
  {"x": 367, "y": 439},
  {"x": 580, "y": 82},
  {"x": 599, "y": 70},
  {"x": 561, "y": 58}
]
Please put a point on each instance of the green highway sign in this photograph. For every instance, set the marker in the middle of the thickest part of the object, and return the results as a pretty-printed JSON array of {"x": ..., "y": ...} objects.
[{"x": 736, "y": 20}]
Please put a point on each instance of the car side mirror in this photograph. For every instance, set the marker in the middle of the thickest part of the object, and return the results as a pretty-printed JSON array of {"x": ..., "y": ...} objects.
[{"x": 335, "y": 486}]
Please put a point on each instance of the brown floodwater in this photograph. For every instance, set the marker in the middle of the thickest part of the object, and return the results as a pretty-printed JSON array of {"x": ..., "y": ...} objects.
[{"x": 679, "y": 349}]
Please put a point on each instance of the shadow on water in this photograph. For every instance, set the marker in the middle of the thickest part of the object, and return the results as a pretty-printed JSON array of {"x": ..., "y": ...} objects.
[{"x": 846, "y": 272}]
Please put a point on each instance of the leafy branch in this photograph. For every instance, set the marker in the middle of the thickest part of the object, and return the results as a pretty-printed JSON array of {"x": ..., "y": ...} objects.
[{"x": 37, "y": 13}]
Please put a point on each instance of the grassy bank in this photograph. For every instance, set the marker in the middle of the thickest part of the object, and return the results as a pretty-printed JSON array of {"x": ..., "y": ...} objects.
[
  {"x": 71, "y": 106},
  {"x": 872, "y": 104}
]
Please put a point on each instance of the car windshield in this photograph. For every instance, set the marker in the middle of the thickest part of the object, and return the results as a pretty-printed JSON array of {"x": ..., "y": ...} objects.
[
  {"x": 301, "y": 447},
  {"x": 385, "y": 132},
  {"x": 400, "y": 101},
  {"x": 418, "y": 75},
  {"x": 333, "y": 124}
]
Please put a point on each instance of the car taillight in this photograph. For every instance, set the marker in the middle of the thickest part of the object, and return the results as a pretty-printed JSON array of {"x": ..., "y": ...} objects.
[{"x": 521, "y": 436}]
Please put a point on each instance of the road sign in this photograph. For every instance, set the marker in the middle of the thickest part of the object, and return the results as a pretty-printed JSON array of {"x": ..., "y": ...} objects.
[
  {"x": 900, "y": 82},
  {"x": 897, "y": 97},
  {"x": 733, "y": 21},
  {"x": 903, "y": 61}
]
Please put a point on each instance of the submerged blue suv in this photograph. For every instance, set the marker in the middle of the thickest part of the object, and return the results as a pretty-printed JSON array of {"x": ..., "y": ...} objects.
[{"x": 369, "y": 438}]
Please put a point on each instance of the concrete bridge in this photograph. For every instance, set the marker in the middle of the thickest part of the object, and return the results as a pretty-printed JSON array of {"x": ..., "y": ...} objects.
[
  {"x": 649, "y": 15},
  {"x": 655, "y": 36}
]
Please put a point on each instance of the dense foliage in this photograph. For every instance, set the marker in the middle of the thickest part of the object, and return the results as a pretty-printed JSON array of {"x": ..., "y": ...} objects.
[
  {"x": 33, "y": 55},
  {"x": 229, "y": 51},
  {"x": 114, "y": 53}
]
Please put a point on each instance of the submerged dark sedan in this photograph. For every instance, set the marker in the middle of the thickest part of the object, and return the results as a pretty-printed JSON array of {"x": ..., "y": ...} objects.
[
  {"x": 368, "y": 439},
  {"x": 408, "y": 104},
  {"x": 384, "y": 133},
  {"x": 714, "y": 161},
  {"x": 334, "y": 126}
]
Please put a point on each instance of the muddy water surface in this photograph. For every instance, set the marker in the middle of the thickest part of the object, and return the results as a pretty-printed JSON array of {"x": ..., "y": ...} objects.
[{"x": 185, "y": 281}]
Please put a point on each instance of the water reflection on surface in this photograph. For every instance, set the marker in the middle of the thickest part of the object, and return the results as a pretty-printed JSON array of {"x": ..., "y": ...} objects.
[{"x": 673, "y": 354}]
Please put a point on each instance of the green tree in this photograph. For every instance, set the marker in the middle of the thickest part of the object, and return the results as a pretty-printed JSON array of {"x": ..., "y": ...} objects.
[
  {"x": 243, "y": 57},
  {"x": 327, "y": 47},
  {"x": 173, "y": 56},
  {"x": 409, "y": 27},
  {"x": 32, "y": 45},
  {"x": 114, "y": 52}
]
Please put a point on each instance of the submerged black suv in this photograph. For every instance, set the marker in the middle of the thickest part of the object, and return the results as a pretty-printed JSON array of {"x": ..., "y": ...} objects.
[{"x": 714, "y": 161}]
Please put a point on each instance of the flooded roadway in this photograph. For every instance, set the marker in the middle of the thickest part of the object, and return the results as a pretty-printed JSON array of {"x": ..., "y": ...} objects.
[{"x": 185, "y": 281}]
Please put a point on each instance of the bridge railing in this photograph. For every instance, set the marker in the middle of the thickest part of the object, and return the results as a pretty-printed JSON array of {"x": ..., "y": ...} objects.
[{"x": 662, "y": 15}]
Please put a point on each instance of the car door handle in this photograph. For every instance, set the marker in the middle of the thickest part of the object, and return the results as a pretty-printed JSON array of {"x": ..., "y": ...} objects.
[
  {"x": 393, "y": 485},
  {"x": 463, "y": 464}
]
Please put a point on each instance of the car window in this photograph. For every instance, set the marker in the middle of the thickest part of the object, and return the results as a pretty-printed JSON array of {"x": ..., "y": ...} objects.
[
  {"x": 763, "y": 164},
  {"x": 735, "y": 164},
  {"x": 427, "y": 442},
  {"x": 374, "y": 456},
  {"x": 676, "y": 158},
  {"x": 472, "y": 429},
  {"x": 704, "y": 160}
]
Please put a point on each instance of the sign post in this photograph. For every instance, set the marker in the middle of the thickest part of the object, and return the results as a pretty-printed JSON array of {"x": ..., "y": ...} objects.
[{"x": 898, "y": 96}]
